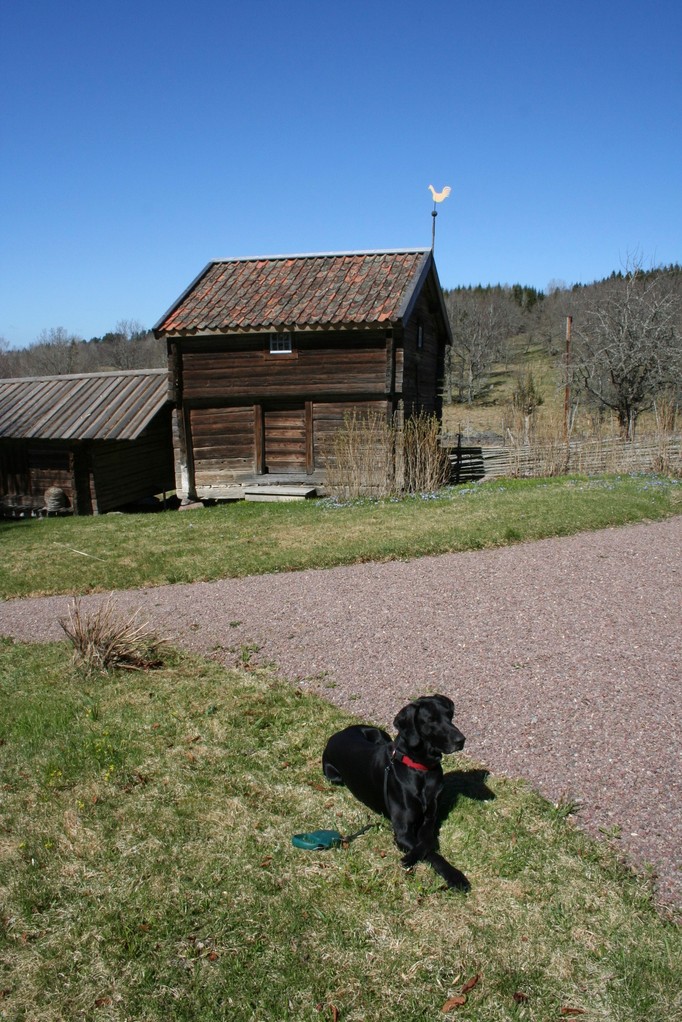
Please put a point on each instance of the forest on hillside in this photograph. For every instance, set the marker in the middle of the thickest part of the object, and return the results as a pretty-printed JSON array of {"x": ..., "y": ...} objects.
[
  {"x": 616, "y": 343},
  {"x": 625, "y": 345}
]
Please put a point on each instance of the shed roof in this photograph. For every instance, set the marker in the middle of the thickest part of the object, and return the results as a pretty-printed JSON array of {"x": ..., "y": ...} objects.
[
  {"x": 84, "y": 406},
  {"x": 334, "y": 289}
]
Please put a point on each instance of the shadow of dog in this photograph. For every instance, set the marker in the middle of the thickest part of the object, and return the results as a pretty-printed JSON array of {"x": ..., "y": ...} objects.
[{"x": 469, "y": 783}]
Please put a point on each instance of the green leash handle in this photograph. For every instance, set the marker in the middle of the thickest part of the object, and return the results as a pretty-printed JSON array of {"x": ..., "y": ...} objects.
[{"x": 317, "y": 840}]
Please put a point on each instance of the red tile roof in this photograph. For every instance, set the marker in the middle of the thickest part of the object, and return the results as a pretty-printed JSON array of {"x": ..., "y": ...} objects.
[{"x": 283, "y": 292}]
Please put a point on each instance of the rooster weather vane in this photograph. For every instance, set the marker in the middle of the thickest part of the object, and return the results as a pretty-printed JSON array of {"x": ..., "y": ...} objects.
[{"x": 437, "y": 197}]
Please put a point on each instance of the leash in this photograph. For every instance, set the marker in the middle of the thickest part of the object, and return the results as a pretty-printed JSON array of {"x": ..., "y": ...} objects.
[
  {"x": 320, "y": 840},
  {"x": 389, "y": 766},
  {"x": 402, "y": 758}
]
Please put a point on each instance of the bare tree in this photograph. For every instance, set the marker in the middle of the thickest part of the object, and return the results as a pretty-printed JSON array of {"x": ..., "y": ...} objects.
[
  {"x": 482, "y": 321},
  {"x": 5, "y": 359},
  {"x": 55, "y": 352},
  {"x": 628, "y": 345},
  {"x": 124, "y": 349},
  {"x": 155, "y": 353},
  {"x": 131, "y": 346}
]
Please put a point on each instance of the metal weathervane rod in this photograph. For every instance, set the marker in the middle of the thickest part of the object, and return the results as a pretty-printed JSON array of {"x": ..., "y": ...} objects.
[{"x": 437, "y": 197}]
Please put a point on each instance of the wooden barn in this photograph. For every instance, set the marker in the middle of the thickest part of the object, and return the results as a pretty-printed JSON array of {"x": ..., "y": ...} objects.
[
  {"x": 102, "y": 438},
  {"x": 268, "y": 355}
]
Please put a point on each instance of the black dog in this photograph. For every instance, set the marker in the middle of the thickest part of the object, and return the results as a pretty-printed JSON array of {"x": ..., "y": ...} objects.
[{"x": 402, "y": 779}]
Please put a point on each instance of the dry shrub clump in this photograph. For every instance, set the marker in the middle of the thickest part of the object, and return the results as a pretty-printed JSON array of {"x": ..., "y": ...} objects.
[
  {"x": 103, "y": 640},
  {"x": 360, "y": 459},
  {"x": 374, "y": 456},
  {"x": 426, "y": 465}
]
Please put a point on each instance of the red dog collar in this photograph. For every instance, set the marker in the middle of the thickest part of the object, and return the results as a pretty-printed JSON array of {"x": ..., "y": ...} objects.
[{"x": 409, "y": 762}]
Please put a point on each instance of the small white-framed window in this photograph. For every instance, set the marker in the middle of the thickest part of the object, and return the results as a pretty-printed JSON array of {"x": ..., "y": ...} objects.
[
  {"x": 420, "y": 335},
  {"x": 280, "y": 344}
]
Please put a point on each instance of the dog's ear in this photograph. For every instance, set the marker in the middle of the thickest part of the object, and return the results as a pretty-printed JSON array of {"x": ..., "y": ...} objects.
[
  {"x": 404, "y": 724},
  {"x": 447, "y": 705}
]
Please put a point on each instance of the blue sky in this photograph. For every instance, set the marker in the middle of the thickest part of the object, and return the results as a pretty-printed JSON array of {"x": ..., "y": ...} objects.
[{"x": 141, "y": 139}]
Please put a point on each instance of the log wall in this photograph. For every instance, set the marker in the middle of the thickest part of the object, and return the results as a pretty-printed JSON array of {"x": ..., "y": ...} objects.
[
  {"x": 96, "y": 476},
  {"x": 223, "y": 443},
  {"x": 243, "y": 366},
  {"x": 124, "y": 471},
  {"x": 243, "y": 411},
  {"x": 330, "y": 417},
  {"x": 285, "y": 439},
  {"x": 28, "y": 469},
  {"x": 422, "y": 364}
]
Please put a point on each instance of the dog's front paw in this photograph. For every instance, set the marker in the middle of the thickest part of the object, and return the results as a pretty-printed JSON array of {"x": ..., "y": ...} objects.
[
  {"x": 452, "y": 876},
  {"x": 455, "y": 879}
]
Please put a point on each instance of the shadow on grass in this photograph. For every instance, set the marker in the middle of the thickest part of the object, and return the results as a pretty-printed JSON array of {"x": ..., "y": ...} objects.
[{"x": 469, "y": 783}]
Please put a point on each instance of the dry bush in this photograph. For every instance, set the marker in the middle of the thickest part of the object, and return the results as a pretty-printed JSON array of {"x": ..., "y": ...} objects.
[
  {"x": 105, "y": 641},
  {"x": 360, "y": 461},
  {"x": 667, "y": 412},
  {"x": 425, "y": 463},
  {"x": 376, "y": 457}
]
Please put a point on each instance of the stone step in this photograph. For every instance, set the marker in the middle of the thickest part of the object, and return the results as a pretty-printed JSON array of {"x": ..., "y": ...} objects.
[{"x": 279, "y": 492}]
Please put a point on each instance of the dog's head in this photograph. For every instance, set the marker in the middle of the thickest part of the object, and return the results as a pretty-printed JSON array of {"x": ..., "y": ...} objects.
[{"x": 427, "y": 723}]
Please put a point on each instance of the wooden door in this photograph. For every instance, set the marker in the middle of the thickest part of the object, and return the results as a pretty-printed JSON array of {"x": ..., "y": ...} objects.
[{"x": 284, "y": 439}]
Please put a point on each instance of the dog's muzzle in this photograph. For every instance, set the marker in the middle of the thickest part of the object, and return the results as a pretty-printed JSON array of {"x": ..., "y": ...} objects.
[{"x": 456, "y": 741}]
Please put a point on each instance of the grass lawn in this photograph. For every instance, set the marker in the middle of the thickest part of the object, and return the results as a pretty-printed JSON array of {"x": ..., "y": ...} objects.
[
  {"x": 147, "y": 871},
  {"x": 79, "y": 555}
]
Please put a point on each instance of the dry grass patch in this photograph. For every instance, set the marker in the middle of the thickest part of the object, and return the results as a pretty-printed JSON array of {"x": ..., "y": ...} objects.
[{"x": 103, "y": 640}]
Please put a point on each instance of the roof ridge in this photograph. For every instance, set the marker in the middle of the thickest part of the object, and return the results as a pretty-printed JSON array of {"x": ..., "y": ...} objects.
[
  {"x": 84, "y": 376},
  {"x": 416, "y": 249}
]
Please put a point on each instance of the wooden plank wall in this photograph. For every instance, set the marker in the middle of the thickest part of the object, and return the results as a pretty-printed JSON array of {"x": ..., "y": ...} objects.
[
  {"x": 295, "y": 439},
  {"x": 422, "y": 373},
  {"x": 49, "y": 466},
  {"x": 249, "y": 411},
  {"x": 223, "y": 442},
  {"x": 285, "y": 440},
  {"x": 29, "y": 469},
  {"x": 320, "y": 363},
  {"x": 128, "y": 470},
  {"x": 14, "y": 471},
  {"x": 329, "y": 418}
]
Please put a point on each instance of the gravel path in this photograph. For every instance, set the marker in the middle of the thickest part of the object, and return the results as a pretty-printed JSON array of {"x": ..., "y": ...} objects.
[{"x": 564, "y": 658}]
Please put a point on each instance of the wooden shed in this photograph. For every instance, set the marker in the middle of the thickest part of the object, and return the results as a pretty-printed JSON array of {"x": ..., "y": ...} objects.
[
  {"x": 103, "y": 438},
  {"x": 268, "y": 355}
]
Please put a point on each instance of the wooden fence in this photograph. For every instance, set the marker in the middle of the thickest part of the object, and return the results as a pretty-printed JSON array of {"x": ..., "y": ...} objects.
[{"x": 653, "y": 453}]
